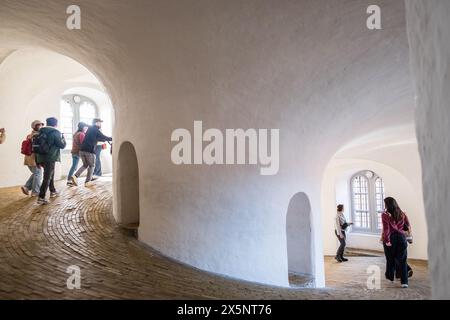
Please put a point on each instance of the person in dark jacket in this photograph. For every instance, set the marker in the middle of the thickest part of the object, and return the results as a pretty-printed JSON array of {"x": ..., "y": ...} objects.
[
  {"x": 87, "y": 151},
  {"x": 56, "y": 142}
]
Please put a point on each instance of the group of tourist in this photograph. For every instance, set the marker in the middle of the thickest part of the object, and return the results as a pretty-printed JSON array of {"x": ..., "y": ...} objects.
[
  {"x": 395, "y": 236},
  {"x": 42, "y": 149}
]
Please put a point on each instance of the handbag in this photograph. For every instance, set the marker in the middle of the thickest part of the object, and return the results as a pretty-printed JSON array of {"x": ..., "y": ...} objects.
[{"x": 408, "y": 233}]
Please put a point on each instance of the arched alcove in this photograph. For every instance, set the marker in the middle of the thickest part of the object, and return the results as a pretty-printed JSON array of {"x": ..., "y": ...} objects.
[
  {"x": 298, "y": 235},
  {"x": 128, "y": 186}
]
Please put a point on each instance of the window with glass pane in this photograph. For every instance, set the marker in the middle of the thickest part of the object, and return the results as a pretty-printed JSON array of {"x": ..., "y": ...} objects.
[
  {"x": 367, "y": 190},
  {"x": 361, "y": 202},
  {"x": 379, "y": 198},
  {"x": 73, "y": 112},
  {"x": 87, "y": 112},
  {"x": 67, "y": 116}
]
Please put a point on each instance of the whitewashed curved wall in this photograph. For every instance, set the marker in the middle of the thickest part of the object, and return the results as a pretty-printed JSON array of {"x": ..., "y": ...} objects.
[
  {"x": 429, "y": 35},
  {"x": 309, "y": 68}
]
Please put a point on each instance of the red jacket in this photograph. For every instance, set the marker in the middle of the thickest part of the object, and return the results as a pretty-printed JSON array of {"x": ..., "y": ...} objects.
[
  {"x": 78, "y": 139},
  {"x": 390, "y": 225}
]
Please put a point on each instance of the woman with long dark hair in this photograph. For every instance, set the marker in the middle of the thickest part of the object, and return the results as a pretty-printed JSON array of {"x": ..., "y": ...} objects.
[{"x": 395, "y": 222}]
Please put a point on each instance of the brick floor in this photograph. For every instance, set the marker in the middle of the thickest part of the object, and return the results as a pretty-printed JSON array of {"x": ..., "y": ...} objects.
[{"x": 38, "y": 243}]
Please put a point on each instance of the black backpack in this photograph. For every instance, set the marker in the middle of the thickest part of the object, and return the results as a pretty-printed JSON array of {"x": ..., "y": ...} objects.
[{"x": 40, "y": 144}]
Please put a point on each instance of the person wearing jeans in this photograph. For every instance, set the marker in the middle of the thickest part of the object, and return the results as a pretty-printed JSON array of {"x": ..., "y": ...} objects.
[
  {"x": 394, "y": 240},
  {"x": 87, "y": 151},
  {"x": 33, "y": 183},
  {"x": 55, "y": 141},
  {"x": 78, "y": 139}
]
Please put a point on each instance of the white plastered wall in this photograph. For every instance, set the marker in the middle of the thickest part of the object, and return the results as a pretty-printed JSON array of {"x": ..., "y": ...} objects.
[
  {"x": 306, "y": 67},
  {"x": 429, "y": 37}
]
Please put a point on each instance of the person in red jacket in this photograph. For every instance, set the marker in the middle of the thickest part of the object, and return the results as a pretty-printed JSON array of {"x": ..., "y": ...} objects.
[
  {"x": 78, "y": 139},
  {"x": 395, "y": 222}
]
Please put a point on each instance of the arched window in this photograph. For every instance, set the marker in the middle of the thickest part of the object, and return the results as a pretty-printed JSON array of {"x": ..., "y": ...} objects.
[
  {"x": 367, "y": 190},
  {"x": 67, "y": 122},
  {"x": 74, "y": 109},
  {"x": 88, "y": 112}
]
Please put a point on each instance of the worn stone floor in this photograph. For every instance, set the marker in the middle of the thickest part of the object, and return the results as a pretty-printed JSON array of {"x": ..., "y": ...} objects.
[{"x": 39, "y": 243}]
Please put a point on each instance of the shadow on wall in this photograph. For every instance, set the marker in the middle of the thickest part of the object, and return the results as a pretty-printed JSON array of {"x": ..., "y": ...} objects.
[
  {"x": 128, "y": 186},
  {"x": 298, "y": 234}
]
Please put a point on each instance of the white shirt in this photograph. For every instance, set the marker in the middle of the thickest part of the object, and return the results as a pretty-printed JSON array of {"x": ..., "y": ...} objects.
[{"x": 340, "y": 220}]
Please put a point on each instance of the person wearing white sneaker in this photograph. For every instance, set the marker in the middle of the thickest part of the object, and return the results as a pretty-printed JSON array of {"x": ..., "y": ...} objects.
[
  {"x": 42, "y": 201},
  {"x": 78, "y": 139},
  {"x": 394, "y": 221},
  {"x": 47, "y": 146},
  {"x": 34, "y": 181}
]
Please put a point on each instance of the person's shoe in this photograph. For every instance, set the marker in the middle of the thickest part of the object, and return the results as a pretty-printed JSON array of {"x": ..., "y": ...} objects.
[
  {"x": 344, "y": 259},
  {"x": 74, "y": 181},
  {"x": 42, "y": 201},
  {"x": 25, "y": 191},
  {"x": 69, "y": 183},
  {"x": 338, "y": 259},
  {"x": 54, "y": 194},
  {"x": 34, "y": 194},
  {"x": 94, "y": 178},
  {"x": 404, "y": 286}
]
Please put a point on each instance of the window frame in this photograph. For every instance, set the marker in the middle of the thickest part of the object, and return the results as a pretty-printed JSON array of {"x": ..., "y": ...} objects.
[
  {"x": 372, "y": 202},
  {"x": 69, "y": 98}
]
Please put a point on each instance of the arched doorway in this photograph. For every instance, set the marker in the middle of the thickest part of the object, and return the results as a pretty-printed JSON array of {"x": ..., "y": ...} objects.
[
  {"x": 299, "y": 240},
  {"x": 128, "y": 187}
]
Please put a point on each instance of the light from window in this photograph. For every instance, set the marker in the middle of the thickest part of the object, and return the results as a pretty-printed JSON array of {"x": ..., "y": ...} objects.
[
  {"x": 87, "y": 112},
  {"x": 67, "y": 122},
  {"x": 367, "y": 202},
  {"x": 361, "y": 202},
  {"x": 379, "y": 197},
  {"x": 73, "y": 112}
]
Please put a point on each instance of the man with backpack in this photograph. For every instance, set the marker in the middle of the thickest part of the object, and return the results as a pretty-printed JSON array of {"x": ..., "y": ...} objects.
[
  {"x": 87, "y": 151},
  {"x": 33, "y": 184},
  {"x": 47, "y": 146}
]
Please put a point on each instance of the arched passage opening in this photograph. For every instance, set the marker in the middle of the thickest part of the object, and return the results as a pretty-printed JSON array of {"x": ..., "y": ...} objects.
[
  {"x": 299, "y": 241},
  {"x": 128, "y": 187},
  {"x": 359, "y": 176},
  {"x": 35, "y": 82}
]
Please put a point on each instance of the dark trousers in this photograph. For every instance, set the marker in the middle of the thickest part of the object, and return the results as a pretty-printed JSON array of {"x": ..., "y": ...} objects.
[
  {"x": 396, "y": 256},
  {"x": 340, "y": 251},
  {"x": 49, "y": 174}
]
